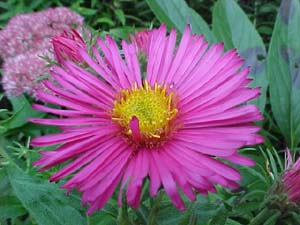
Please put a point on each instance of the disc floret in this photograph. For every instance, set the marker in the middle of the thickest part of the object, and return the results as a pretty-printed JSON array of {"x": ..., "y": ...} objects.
[{"x": 145, "y": 113}]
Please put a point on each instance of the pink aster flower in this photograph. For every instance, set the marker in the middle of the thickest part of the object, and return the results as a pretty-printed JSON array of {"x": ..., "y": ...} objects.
[
  {"x": 172, "y": 128},
  {"x": 291, "y": 178},
  {"x": 66, "y": 46}
]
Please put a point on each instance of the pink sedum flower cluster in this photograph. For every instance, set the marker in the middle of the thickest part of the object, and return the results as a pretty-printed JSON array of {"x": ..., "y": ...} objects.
[
  {"x": 172, "y": 127},
  {"x": 25, "y": 38},
  {"x": 20, "y": 72}
]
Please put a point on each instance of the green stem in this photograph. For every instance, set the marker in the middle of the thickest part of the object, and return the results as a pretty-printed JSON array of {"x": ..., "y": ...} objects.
[
  {"x": 154, "y": 209},
  {"x": 88, "y": 222},
  {"x": 122, "y": 218},
  {"x": 193, "y": 219}
]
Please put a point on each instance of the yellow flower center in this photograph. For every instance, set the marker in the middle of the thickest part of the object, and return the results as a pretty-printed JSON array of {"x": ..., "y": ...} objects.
[{"x": 154, "y": 108}]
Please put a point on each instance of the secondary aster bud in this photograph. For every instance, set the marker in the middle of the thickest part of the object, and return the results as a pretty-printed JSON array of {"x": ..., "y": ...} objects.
[
  {"x": 141, "y": 40},
  {"x": 291, "y": 179},
  {"x": 66, "y": 46},
  {"x": 284, "y": 194}
]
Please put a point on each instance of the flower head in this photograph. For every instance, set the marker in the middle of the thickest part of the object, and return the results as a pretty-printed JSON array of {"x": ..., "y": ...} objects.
[
  {"x": 66, "y": 46},
  {"x": 171, "y": 125}
]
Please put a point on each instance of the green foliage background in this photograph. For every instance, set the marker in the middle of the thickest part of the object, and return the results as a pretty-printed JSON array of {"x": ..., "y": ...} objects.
[{"x": 26, "y": 197}]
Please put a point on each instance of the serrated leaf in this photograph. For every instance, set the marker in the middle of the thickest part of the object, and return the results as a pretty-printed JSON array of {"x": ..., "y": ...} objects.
[
  {"x": 284, "y": 72},
  {"x": 232, "y": 26},
  {"x": 177, "y": 14},
  {"x": 45, "y": 202}
]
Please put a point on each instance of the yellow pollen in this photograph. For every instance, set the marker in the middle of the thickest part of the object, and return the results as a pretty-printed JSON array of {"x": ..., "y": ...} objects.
[{"x": 153, "y": 107}]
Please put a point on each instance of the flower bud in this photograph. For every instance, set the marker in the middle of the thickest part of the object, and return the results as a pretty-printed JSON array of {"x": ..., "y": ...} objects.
[{"x": 66, "y": 46}]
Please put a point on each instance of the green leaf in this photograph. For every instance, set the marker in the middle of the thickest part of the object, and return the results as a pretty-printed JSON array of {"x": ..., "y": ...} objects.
[
  {"x": 284, "y": 73},
  {"x": 120, "y": 15},
  {"x": 271, "y": 156},
  {"x": 168, "y": 215},
  {"x": 5, "y": 188},
  {"x": 220, "y": 217},
  {"x": 263, "y": 216},
  {"x": 22, "y": 111},
  {"x": 101, "y": 218},
  {"x": 245, "y": 207},
  {"x": 255, "y": 174},
  {"x": 204, "y": 211},
  {"x": 85, "y": 11},
  {"x": 272, "y": 220},
  {"x": 232, "y": 222},
  {"x": 9, "y": 156},
  {"x": 2, "y": 129},
  {"x": 105, "y": 20},
  {"x": 143, "y": 213},
  {"x": 177, "y": 14},
  {"x": 10, "y": 207},
  {"x": 46, "y": 202},
  {"x": 232, "y": 26},
  {"x": 295, "y": 217},
  {"x": 121, "y": 32}
]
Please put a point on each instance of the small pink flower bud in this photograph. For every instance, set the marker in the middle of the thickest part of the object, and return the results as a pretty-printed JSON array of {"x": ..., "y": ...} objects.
[
  {"x": 141, "y": 41},
  {"x": 66, "y": 46}
]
